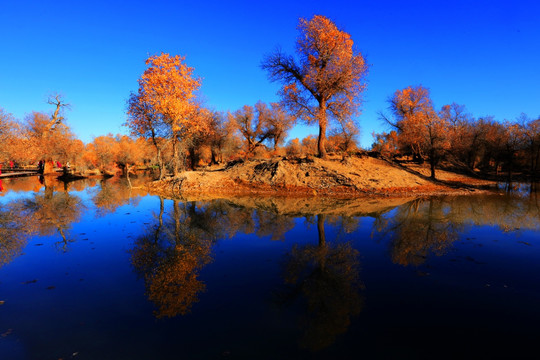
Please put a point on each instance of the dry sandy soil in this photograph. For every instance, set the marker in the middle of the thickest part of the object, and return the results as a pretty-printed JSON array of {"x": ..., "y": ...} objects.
[{"x": 349, "y": 177}]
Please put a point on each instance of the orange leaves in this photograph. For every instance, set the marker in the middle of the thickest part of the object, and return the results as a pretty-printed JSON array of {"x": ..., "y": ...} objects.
[
  {"x": 168, "y": 86},
  {"x": 290, "y": 89},
  {"x": 291, "y": 94},
  {"x": 411, "y": 101},
  {"x": 328, "y": 57},
  {"x": 108, "y": 151},
  {"x": 322, "y": 37},
  {"x": 197, "y": 122},
  {"x": 175, "y": 286},
  {"x": 421, "y": 130},
  {"x": 43, "y": 142},
  {"x": 413, "y": 108},
  {"x": 327, "y": 80},
  {"x": 165, "y": 105}
]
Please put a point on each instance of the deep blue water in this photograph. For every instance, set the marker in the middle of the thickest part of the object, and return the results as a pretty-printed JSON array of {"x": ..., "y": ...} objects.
[{"x": 95, "y": 271}]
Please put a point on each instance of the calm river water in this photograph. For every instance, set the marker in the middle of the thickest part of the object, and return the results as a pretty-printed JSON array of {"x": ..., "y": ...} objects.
[{"x": 93, "y": 270}]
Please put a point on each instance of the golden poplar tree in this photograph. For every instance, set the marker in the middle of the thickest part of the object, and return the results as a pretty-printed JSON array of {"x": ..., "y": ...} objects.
[
  {"x": 327, "y": 79},
  {"x": 168, "y": 86}
]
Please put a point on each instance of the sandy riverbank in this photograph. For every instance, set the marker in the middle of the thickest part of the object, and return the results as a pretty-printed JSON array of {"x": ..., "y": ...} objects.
[{"x": 354, "y": 176}]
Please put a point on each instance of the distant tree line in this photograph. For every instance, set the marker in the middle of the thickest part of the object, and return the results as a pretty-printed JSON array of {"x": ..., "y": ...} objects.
[
  {"x": 39, "y": 137},
  {"x": 481, "y": 145}
]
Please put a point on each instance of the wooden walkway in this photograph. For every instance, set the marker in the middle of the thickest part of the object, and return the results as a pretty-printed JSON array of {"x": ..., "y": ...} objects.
[{"x": 9, "y": 174}]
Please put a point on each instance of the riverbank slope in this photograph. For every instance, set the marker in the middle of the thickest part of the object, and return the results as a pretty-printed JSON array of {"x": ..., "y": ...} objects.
[{"x": 353, "y": 176}]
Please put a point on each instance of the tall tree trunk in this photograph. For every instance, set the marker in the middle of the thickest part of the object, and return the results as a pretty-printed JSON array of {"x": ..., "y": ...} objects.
[
  {"x": 175, "y": 155},
  {"x": 250, "y": 147},
  {"x": 277, "y": 138},
  {"x": 48, "y": 167},
  {"x": 510, "y": 165},
  {"x": 432, "y": 163},
  {"x": 160, "y": 220},
  {"x": 160, "y": 164},
  {"x": 127, "y": 176},
  {"x": 49, "y": 187},
  {"x": 161, "y": 210},
  {"x": 321, "y": 141},
  {"x": 192, "y": 157},
  {"x": 176, "y": 214},
  {"x": 214, "y": 156},
  {"x": 417, "y": 157},
  {"x": 322, "y": 241},
  {"x": 159, "y": 156},
  {"x": 320, "y": 230}
]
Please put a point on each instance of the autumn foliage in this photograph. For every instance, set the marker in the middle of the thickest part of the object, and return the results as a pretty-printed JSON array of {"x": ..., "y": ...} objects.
[
  {"x": 327, "y": 79},
  {"x": 167, "y": 88},
  {"x": 480, "y": 145},
  {"x": 172, "y": 129}
]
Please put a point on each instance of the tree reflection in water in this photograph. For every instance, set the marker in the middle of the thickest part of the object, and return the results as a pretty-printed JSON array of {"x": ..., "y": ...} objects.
[
  {"x": 325, "y": 278},
  {"x": 49, "y": 212},
  {"x": 44, "y": 213},
  {"x": 52, "y": 209},
  {"x": 418, "y": 229},
  {"x": 272, "y": 224},
  {"x": 176, "y": 247},
  {"x": 13, "y": 233},
  {"x": 170, "y": 255},
  {"x": 430, "y": 226},
  {"x": 53, "y": 212},
  {"x": 111, "y": 194},
  {"x": 321, "y": 280}
]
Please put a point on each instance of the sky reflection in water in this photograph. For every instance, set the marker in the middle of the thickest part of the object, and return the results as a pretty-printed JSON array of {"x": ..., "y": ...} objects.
[{"x": 94, "y": 270}]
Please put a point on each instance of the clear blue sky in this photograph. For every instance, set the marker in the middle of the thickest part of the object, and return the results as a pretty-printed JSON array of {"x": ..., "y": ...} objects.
[{"x": 483, "y": 54}]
